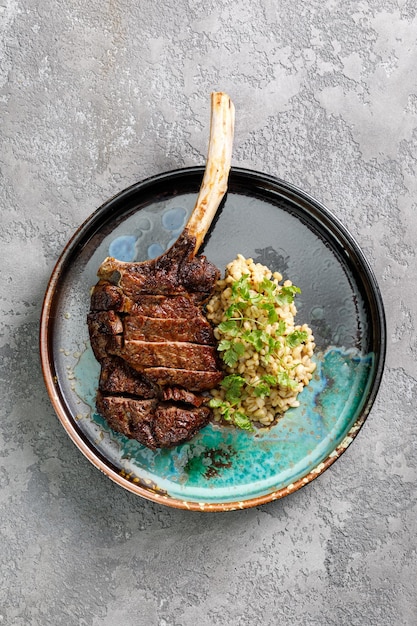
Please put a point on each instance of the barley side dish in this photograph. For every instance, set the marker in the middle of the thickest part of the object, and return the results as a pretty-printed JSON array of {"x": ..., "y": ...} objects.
[{"x": 266, "y": 356}]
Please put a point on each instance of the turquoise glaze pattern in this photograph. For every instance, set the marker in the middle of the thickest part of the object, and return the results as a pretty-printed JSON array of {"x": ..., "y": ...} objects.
[{"x": 223, "y": 464}]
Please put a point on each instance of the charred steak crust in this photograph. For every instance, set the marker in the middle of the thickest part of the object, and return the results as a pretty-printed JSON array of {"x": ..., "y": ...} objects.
[
  {"x": 175, "y": 272},
  {"x": 156, "y": 348}
]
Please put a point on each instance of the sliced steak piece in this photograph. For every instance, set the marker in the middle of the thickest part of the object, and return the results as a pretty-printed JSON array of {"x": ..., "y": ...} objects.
[
  {"x": 105, "y": 328},
  {"x": 190, "y": 379},
  {"x": 166, "y": 306},
  {"x": 143, "y": 328},
  {"x": 174, "y": 425},
  {"x": 117, "y": 377},
  {"x": 154, "y": 424},
  {"x": 131, "y": 417},
  {"x": 106, "y": 296},
  {"x": 105, "y": 322},
  {"x": 105, "y": 345},
  {"x": 173, "y": 354}
]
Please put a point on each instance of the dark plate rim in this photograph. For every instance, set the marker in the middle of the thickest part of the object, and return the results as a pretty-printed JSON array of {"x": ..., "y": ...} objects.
[{"x": 239, "y": 178}]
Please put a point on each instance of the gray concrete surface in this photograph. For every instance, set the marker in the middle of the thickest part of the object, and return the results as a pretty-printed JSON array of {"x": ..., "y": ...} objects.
[{"x": 97, "y": 95}]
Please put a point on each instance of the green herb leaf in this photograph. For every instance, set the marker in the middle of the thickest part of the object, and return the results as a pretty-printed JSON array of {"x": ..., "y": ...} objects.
[
  {"x": 241, "y": 287},
  {"x": 231, "y": 351},
  {"x": 295, "y": 338},
  {"x": 233, "y": 385},
  {"x": 271, "y": 380},
  {"x": 235, "y": 309},
  {"x": 281, "y": 328},
  {"x": 284, "y": 380},
  {"x": 267, "y": 286},
  {"x": 261, "y": 390},
  {"x": 215, "y": 403},
  {"x": 272, "y": 313},
  {"x": 242, "y": 421},
  {"x": 273, "y": 344},
  {"x": 230, "y": 327},
  {"x": 258, "y": 338},
  {"x": 226, "y": 412},
  {"x": 286, "y": 296}
]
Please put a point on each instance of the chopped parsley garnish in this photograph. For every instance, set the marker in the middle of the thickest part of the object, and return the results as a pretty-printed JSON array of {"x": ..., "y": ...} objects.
[
  {"x": 231, "y": 351},
  {"x": 236, "y": 337},
  {"x": 294, "y": 339}
]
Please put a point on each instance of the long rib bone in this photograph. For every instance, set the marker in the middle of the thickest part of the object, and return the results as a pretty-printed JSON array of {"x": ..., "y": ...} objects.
[
  {"x": 216, "y": 174},
  {"x": 212, "y": 191}
]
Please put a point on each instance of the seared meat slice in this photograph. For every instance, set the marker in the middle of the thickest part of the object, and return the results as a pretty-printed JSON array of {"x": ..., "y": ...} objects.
[
  {"x": 117, "y": 377},
  {"x": 106, "y": 322},
  {"x": 173, "y": 354},
  {"x": 131, "y": 417},
  {"x": 164, "y": 307},
  {"x": 105, "y": 328},
  {"x": 143, "y": 328},
  {"x": 174, "y": 424},
  {"x": 105, "y": 297},
  {"x": 192, "y": 380},
  {"x": 154, "y": 424}
]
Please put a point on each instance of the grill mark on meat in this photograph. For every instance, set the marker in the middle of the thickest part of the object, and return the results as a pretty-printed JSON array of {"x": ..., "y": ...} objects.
[
  {"x": 116, "y": 377},
  {"x": 143, "y": 328}
]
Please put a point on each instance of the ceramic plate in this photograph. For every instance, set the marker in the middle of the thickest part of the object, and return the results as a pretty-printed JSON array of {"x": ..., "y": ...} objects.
[{"x": 280, "y": 226}]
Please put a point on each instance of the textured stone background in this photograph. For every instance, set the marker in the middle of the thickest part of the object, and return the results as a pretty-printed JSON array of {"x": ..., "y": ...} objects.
[{"x": 97, "y": 95}]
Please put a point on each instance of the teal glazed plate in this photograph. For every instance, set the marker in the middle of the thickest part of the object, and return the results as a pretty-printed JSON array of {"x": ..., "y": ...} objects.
[{"x": 278, "y": 225}]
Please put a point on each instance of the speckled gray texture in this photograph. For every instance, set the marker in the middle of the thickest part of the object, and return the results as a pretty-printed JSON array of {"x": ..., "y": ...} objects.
[{"x": 97, "y": 95}]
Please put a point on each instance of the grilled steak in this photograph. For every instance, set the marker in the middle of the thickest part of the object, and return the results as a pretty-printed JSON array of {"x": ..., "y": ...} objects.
[
  {"x": 156, "y": 367},
  {"x": 147, "y": 328}
]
